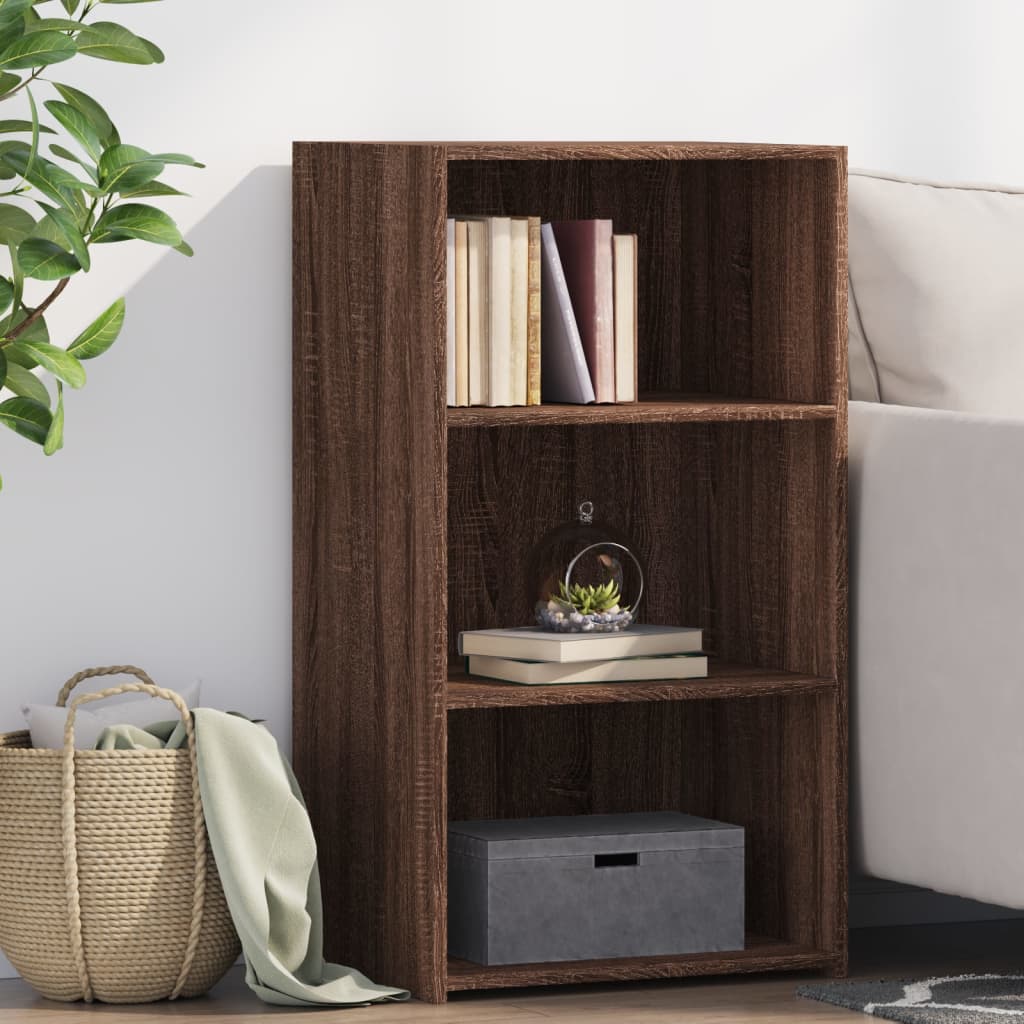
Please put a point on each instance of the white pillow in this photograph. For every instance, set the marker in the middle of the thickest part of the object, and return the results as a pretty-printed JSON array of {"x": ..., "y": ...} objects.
[
  {"x": 46, "y": 722},
  {"x": 936, "y": 288}
]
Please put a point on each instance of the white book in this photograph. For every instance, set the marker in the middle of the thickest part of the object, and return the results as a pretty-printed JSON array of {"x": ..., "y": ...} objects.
[
  {"x": 625, "y": 260},
  {"x": 500, "y": 255},
  {"x": 450, "y": 311},
  {"x": 531, "y": 643},
  {"x": 619, "y": 670},
  {"x": 479, "y": 317}
]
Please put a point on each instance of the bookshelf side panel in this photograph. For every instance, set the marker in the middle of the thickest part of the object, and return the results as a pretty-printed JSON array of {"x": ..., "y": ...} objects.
[{"x": 369, "y": 719}]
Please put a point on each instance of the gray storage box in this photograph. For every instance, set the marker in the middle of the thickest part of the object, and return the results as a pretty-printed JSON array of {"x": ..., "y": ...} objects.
[{"x": 592, "y": 887}]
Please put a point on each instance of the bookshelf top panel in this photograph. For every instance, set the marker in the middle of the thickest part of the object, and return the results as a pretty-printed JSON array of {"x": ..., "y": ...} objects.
[
  {"x": 583, "y": 150},
  {"x": 638, "y": 151}
]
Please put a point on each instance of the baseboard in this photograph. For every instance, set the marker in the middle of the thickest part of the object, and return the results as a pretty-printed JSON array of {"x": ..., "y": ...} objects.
[{"x": 877, "y": 903}]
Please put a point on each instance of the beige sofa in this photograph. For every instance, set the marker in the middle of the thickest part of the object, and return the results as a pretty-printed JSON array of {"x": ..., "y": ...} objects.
[{"x": 937, "y": 534}]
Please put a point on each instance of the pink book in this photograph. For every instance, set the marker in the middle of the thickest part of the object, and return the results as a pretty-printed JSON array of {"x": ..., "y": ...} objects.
[{"x": 586, "y": 250}]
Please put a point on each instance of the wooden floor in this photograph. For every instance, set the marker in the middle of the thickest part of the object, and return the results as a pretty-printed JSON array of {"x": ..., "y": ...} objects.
[{"x": 882, "y": 952}]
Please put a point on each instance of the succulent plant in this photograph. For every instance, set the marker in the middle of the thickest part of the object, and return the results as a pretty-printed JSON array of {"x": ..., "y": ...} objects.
[{"x": 590, "y": 599}]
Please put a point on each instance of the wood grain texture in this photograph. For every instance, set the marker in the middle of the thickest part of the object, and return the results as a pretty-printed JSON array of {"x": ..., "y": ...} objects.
[
  {"x": 638, "y": 151},
  {"x": 725, "y": 680},
  {"x": 650, "y": 409},
  {"x": 761, "y": 955},
  {"x": 730, "y": 477},
  {"x": 369, "y": 510}
]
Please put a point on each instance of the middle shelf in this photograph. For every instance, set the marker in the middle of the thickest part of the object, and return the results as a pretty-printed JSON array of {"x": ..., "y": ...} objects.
[{"x": 724, "y": 680}]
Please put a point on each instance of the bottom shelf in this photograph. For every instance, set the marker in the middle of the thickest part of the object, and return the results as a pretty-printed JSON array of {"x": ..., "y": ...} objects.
[{"x": 761, "y": 954}]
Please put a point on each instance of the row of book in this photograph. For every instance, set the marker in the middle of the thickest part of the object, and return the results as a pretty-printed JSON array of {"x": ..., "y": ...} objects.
[
  {"x": 540, "y": 312},
  {"x": 533, "y": 656}
]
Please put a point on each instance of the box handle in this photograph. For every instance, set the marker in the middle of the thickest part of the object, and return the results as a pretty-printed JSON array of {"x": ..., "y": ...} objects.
[{"x": 615, "y": 860}]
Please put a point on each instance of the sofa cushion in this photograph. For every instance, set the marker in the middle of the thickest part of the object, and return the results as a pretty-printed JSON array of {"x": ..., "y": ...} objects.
[{"x": 936, "y": 289}]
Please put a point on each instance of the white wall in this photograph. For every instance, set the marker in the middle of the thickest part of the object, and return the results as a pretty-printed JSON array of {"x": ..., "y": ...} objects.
[{"x": 161, "y": 534}]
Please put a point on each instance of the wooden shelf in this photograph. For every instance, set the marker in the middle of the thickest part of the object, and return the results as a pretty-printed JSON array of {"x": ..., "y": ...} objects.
[
  {"x": 726, "y": 680},
  {"x": 430, "y": 520},
  {"x": 761, "y": 954},
  {"x": 650, "y": 409}
]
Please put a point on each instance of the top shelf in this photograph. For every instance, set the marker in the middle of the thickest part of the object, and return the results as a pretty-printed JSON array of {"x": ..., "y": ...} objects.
[{"x": 650, "y": 409}]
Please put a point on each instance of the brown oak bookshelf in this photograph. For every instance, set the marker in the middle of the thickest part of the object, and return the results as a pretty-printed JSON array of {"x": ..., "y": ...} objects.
[{"x": 412, "y": 522}]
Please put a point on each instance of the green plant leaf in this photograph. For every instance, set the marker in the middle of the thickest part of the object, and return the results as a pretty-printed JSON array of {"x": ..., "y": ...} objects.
[
  {"x": 10, "y": 9},
  {"x": 26, "y": 417},
  {"x": 185, "y": 249},
  {"x": 70, "y": 233},
  {"x": 51, "y": 179},
  {"x": 127, "y": 167},
  {"x": 77, "y": 125},
  {"x": 106, "y": 40},
  {"x": 10, "y": 31},
  {"x": 66, "y": 154},
  {"x": 137, "y": 220},
  {"x": 152, "y": 189},
  {"x": 22, "y": 126},
  {"x": 8, "y": 82},
  {"x": 55, "y": 434},
  {"x": 177, "y": 158},
  {"x": 16, "y": 224},
  {"x": 93, "y": 112},
  {"x": 60, "y": 363},
  {"x": 100, "y": 334},
  {"x": 33, "y": 151},
  {"x": 3, "y": 368},
  {"x": 6, "y": 293},
  {"x": 70, "y": 5},
  {"x": 25, "y": 383},
  {"x": 18, "y": 280},
  {"x": 46, "y": 261},
  {"x": 54, "y": 25},
  {"x": 37, "y": 49}
]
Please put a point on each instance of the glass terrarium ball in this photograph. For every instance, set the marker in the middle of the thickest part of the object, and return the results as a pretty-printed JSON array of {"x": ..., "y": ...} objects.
[{"x": 585, "y": 577}]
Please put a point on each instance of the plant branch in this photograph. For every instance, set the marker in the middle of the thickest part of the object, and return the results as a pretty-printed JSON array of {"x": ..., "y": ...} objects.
[
  {"x": 36, "y": 313},
  {"x": 21, "y": 85}
]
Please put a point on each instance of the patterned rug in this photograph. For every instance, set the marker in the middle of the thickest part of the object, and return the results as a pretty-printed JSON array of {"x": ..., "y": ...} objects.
[{"x": 965, "y": 999}]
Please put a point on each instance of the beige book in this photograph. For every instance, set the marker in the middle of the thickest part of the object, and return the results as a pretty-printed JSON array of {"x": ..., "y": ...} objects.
[
  {"x": 449, "y": 269},
  {"x": 624, "y": 253},
  {"x": 479, "y": 311},
  {"x": 499, "y": 297},
  {"x": 461, "y": 314},
  {"x": 533, "y": 314},
  {"x": 520, "y": 307}
]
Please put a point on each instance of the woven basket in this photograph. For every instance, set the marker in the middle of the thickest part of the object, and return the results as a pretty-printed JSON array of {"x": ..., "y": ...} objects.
[{"x": 108, "y": 889}]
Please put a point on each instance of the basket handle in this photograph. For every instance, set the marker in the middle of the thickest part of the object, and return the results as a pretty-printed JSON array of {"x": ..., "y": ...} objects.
[
  {"x": 92, "y": 673},
  {"x": 68, "y": 816}
]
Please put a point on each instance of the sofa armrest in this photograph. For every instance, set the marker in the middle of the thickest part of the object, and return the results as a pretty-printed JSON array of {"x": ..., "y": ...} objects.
[{"x": 937, "y": 597}]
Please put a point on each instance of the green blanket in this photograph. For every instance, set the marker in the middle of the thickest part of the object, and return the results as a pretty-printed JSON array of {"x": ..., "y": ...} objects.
[{"x": 266, "y": 857}]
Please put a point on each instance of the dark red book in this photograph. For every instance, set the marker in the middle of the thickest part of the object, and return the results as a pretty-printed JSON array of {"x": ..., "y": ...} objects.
[{"x": 586, "y": 250}]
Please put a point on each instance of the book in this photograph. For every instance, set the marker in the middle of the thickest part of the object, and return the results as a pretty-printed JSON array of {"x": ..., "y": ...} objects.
[
  {"x": 624, "y": 258},
  {"x": 564, "y": 374},
  {"x": 586, "y": 250},
  {"x": 533, "y": 320},
  {"x": 499, "y": 232},
  {"x": 531, "y": 643},
  {"x": 520, "y": 303},
  {"x": 479, "y": 316},
  {"x": 539, "y": 673},
  {"x": 450, "y": 288},
  {"x": 461, "y": 315}
]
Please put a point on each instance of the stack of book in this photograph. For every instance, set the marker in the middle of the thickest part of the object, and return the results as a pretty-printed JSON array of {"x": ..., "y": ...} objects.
[
  {"x": 533, "y": 656},
  {"x": 540, "y": 312}
]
